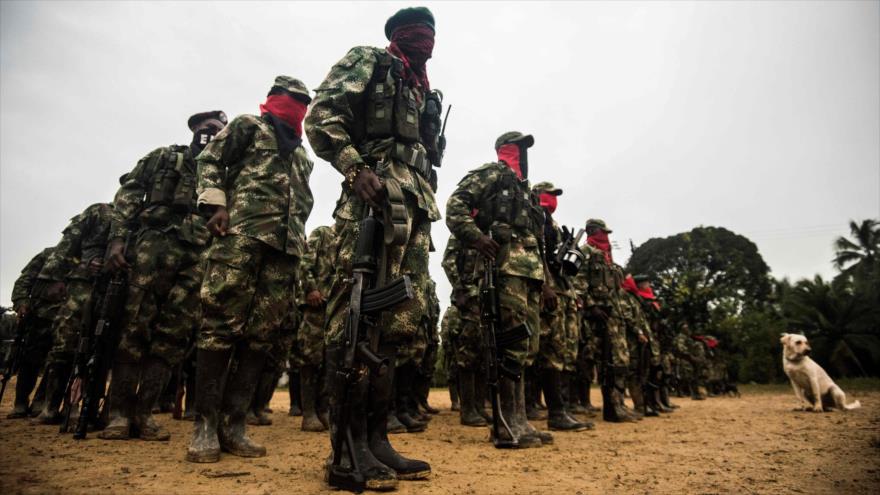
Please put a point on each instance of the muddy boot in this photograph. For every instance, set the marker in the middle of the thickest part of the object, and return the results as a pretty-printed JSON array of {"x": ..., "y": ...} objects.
[
  {"x": 294, "y": 388},
  {"x": 533, "y": 389},
  {"x": 308, "y": 383},
  {"x": 698, "y": 392},
  {"x": 572, "y": 394},
  {"x": 154, "y": 377},
  {"x": 613, "y": 409},
  {"x": 169, "y": 393},
  {"x": 527, "y": 435},
  {"x": 507, "y": 407},
  {"x": 664, "y": 396},
  {"x": 24, "y": 385},
  {"x": 380, "y": 398},
  {"x": 189, "y": 400},
  {"x": 453, "y": 394},
  {"x": 481, "y": 393},
  {"x": 403, "y": 384},
  {"x": 237, "y": 398},
  {"x": 558, "y": 418},
  {"x": 56, "y": 378},
  {"x": 120, "y": 401},
  {"x": 635, "y": 392},
  {"x": 210, "y": 374},
  {"x": 584, "y": 392},
  {"x": 422, "y": 390},
  {"x": 259, "y": 414},
  {"x": 354, "y": 467},
  {"x": 469, "y": 415}
]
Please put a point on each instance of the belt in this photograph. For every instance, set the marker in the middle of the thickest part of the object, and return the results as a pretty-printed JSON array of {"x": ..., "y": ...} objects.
[{"x": 414, "y": 158}]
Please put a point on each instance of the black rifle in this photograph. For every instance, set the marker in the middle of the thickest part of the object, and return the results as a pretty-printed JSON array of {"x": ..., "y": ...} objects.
[
  {"x": 493, "y": 342},
  {"x": 360, "y": 341},
  {"x": 99, "y": 346},
  {"x": 15, "y": 352},
  {"x": 569, "y": 258}
]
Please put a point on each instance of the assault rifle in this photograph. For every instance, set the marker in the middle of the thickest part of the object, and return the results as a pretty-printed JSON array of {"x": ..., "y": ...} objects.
[
  {"x": 98, "y": 347},
  {"x": 15, "y": 352},
  {"x": 360, "y": 340},
  {"x": 493, "y": 343},
  {"x": 568, "y": 257}
]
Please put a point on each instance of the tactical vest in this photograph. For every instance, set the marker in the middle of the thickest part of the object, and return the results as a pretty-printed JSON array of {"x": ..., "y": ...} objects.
[
  {"x": 392, "y": 107},
  {"x": 174, "y": 182},
  {"x": 604, "y": 277},
  {"x": 510, "y": 207}
]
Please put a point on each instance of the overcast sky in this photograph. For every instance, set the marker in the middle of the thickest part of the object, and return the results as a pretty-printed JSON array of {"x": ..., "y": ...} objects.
[{"x": 761, "y": 117}]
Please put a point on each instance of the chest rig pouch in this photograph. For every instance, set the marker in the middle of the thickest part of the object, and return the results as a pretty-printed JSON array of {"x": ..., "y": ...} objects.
[
  {"x": 392, "y": 107},
  {"x": 510, "y": 204},
  {"x": 174, "y": 183}
]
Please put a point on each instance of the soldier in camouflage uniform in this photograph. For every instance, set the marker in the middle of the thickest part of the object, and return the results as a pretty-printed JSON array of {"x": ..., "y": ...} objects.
[
  {"x": 692, "y": 356},
  {"x": 602, "y": 300},
  {"x": 36, "y": 304},
  {"x": 155, "y": 210},
  {"x": 318, "y": 270},
  {"x": 376, "y": 120},
  {"x": 639, "y": 339},
  {"x": 660, "y": 373},
  {"x": 494, "y": 211},
  {"x": 253, "y": 181},
  {"x": 462, "y": 266},
  {"x": 448, "y": 327},
  {"x": 77, "y": 262},
  {"x": 560, "y": 330}
]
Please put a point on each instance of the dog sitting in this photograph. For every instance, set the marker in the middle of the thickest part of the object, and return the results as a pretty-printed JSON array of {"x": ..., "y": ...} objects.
[{"x": 812, "y": 385}]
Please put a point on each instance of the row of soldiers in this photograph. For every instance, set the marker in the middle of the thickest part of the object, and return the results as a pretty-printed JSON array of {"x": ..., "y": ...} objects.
[{"x": 209, "y": 239}]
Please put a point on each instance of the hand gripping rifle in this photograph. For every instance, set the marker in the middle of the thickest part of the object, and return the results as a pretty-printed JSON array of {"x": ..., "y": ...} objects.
[
  {"x": 493, "y": 343},
  {"x": 99, "y": 351},
  {"x": 360, "y": 340}
]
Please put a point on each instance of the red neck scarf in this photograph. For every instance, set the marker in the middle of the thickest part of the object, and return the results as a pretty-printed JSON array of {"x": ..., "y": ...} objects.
[
  {"x": 287, "y": 108},
  {"x": 630, "y": 286},
  {"x": 413, "y": 44},
  {"x": 548, "y": 201},
  {"x": 599, "y": 240},
  {"x": 647, "y": 293},
  {"x": 509, "y": 154},
  {"x": 709, "y": 341}
]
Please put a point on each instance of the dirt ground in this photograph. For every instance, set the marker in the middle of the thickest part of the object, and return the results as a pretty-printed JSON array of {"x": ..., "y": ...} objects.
[{"x": 754, "y": 444}]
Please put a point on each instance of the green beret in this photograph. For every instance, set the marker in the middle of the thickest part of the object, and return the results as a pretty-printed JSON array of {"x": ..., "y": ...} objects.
[
  {"x": 546, "y": 187},
  {"x": 197, "y": 119},
  {"x": 595, "y": 222},
  {"x": 407, "y": 16},
  {"x": 293, "y": 86},
  {"x": 514, "y": 137}
]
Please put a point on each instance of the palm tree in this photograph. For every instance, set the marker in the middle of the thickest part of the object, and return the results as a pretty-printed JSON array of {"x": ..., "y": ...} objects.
[{"x": 861, "y": 253}]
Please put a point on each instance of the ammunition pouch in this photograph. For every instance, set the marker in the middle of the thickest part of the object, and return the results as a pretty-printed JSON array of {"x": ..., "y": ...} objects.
[
  {"x": 397, "y": 223},
  {"x": 392, "y": 107},
  {"x": 174, "y": 184},
  {"x": 415, "y": 159}
]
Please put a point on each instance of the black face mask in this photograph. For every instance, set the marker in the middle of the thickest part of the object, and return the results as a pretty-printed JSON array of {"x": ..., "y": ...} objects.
[
  {"x": 524, "y": 161},
  {"x": 201, "y": 138}
]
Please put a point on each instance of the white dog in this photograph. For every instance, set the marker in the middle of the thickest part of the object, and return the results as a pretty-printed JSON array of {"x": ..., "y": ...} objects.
[{"x": 811, "y": 384}]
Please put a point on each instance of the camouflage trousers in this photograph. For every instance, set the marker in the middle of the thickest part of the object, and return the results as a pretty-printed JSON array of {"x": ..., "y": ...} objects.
[
  {"x": 310, "y": 336},
  {"x": 613, "y": 348},
  {"x": 162, "y": 306},
  {"x": 246, "y": 295},
  {"x": 469, "y": 339},
  {"x": 560, "y": 336},
  {"x": 38, "y": 341},
  {"x": 446, "y": 345},
  {"x": 401, "y": 325},
  {"x": 70, "y": 321},
  {"x": 520, "y": 301}
]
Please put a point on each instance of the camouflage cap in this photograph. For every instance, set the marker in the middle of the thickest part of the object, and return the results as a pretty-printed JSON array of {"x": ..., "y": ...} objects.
[
  {"x": 514, "y": 137},
  {"x": 200, "y": 118},
  {"x": 641, "y": 277},
  {"x": 293, "y": 86},
  {"x": 595, "y": 222},
  {"x": 407, "y": 16},
  {"x": 546, "y": 187}
]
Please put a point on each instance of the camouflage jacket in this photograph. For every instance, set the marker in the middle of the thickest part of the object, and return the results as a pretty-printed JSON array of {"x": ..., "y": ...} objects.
[
  {"x": 160, "y": 193},
  {"x": 268, "y": 196},
  {"x": 27, "y": 290},
  {"x": 632, "y": 315},
  {"x": 336, "y": 127},
  {"x": 598, "y": 283},
  {"x": 562, "y": 285},
  {"x": 480, "y": 191},
  {"x": 318, "y": 266},
  {"x": 84, "y": 239},
  {"x": 431, "y": 317},
  {"x": 462, "y": 267}
]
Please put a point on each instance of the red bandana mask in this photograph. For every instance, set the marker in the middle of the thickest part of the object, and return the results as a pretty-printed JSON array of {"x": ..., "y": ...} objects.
[
  {"x": 509, "y": 154},
  {"x": 548, "y": 201},
  {"x": 413, "y": 44},
  {"x": 629, "y": 285},
  {"x": 647, "y": 293},
  {"x": 287, "y": 108},
  {"x": 599, "y": 240}
]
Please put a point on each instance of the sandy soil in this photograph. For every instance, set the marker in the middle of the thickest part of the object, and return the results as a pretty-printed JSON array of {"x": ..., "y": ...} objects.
[{"x": 755, "y": 444}]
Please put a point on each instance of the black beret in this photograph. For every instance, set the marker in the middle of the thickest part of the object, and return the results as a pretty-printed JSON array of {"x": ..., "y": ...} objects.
[
  {"x": 641, "y": 277},
  {"x": 198, "y": 118},
  {"x": 407, "y": 16}
]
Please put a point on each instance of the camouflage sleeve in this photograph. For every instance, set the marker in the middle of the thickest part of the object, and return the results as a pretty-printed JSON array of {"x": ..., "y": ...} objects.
[
  {"x": 131, "y": 195},
  {"x": 219, "y": 163},
  {"x": 309, "y": 262},
  {"x": 67, "y": 251},
  {"x": 449, "y": 264},
  {"x": 21, "y": 290},
  {"x": 463, "y": 201},
  {"x": 337, "y": 108}
]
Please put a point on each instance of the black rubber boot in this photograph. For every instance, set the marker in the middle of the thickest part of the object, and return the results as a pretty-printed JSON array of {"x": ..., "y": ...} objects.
[
  {"x": 422, "y": 389},
  {"x": 189, "y": 400},
  {"x": 121, "y": 401},
  {"x": 169, "y": 393},
  {"x": 584, "y": 392},
  {"x": 468, "y": 415},
  {"x": 380, "y": 398},
  {"x": 635, "y": 392},
  {"x": 154, "y": 377},
  {"x": 527, "y": 435},
  {"x": 294, "y": 387},
  {"x": 507, "y": 408},
  {"x": 210, "y": 374},
  {"x": 237, "y": 397},
  {"x": 481, "y": 395},
  {"x": 613, "y": 410},
  {"x": 25, "y": 382},
  {"x": 455, "y": 405},
  {"x": 664, "y": 395},
  {"x": 370, "y": 473},
  {"x": 39, "y": 400},
  {"x": 558, "y": 418},
  {"x": 403, "y": 384},
  {"x": 309, "y": 383},
  {"x": 532, "y": 395},
  {"x": 258, "y": 414},
  {"x": 56, "y": 378}
]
